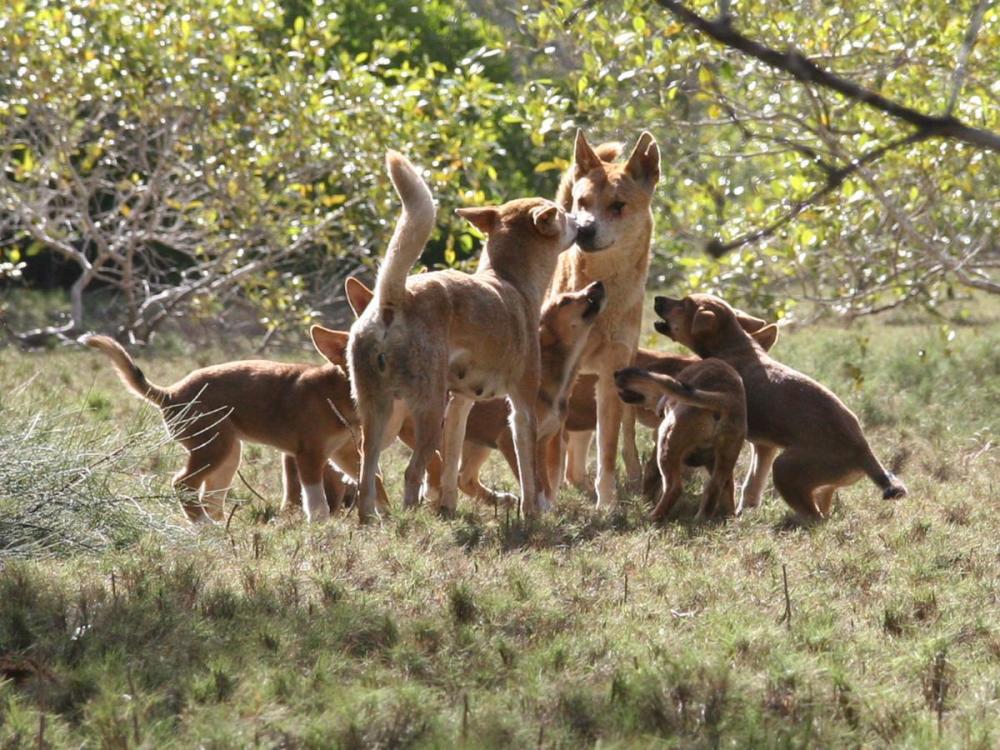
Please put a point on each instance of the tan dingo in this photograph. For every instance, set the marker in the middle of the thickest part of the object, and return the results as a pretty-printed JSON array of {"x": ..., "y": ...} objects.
[{"x": 474, "y": 336}]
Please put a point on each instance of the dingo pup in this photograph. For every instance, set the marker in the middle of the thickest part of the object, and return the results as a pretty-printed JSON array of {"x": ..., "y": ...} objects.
[
  {"x": 581, "y": 418},
  {"x": 302, "y": 410},
  {"x": 704, "y": 412},
  {"x": 824, "y": 446}
]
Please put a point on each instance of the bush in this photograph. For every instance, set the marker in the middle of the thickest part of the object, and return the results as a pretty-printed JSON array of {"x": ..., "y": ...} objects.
[
  {"x": 60, "y": 483},
  {"x": 231, "y": 150}
]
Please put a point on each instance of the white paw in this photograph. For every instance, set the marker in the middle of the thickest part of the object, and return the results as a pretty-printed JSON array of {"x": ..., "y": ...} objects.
[
  {"x": 607, "y": 493},
  {"x": 544, "y": 504},
  {"x": 318, "y": 515},
  {"x": 314, "y": 503},
  {"x": 430, "y": 495}
]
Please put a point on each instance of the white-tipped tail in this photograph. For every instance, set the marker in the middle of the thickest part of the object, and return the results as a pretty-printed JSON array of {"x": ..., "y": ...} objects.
[{"x": 413, "y": 229}]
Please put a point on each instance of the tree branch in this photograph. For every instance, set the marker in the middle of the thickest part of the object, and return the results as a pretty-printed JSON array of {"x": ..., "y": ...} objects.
[
  {"x": 834, "y": 179},
  {"x": 931, "y": 247},
  {"x": 803, "y": 69},
  {"x": 958, "y": 78}
]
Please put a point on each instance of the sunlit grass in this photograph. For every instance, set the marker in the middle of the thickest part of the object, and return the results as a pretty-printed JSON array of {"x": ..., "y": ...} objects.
[{"x": 486, "y": 632}]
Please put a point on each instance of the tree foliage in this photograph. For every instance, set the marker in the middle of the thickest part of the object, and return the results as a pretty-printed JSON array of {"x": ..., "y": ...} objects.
[
  {"x": 191, "y": 152},
  {"x": 748, "y": 147},
  {"x": 189, "y": 155}
]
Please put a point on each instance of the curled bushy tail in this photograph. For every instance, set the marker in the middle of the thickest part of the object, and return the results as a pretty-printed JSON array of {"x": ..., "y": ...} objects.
[
  {"x": 128, "y": 370},
  {"x": 413, "y": 229}
]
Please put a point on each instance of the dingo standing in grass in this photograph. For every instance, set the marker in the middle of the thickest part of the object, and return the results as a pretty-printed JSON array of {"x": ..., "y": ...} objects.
[
  {"x": 566, "y": 321},
  {"x": 823, "y": 445},
  {"x": 562, "y": 332},
  {"x": 474, "y": 336},
  {"x": 704, "y": 411},
  {"x": 581, "y": 416},
  {"x": 611, "y": 203}
]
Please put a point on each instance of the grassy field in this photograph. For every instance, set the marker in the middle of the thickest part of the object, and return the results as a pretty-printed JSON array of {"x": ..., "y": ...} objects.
[{"x": 121, "y": 627}]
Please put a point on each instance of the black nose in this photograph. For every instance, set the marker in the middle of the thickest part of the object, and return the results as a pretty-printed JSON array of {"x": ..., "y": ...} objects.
[
  {"x": 586, "y": 232},
  {"x": 662, "y": 304}
]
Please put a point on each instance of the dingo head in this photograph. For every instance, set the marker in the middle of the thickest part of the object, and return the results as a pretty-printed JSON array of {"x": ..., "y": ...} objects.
[{"x": 610, "y": 199}]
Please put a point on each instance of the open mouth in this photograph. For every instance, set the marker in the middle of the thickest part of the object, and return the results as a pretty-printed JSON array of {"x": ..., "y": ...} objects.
[
  {"x": 663, "y": 305},
  {"x": 595, "y": 301},
  {"x": 623, "y": 381},
  {"x": 630, "y": 396},
  {"x": 663, "y": 327},
  {"x": 623, "y": 376}
]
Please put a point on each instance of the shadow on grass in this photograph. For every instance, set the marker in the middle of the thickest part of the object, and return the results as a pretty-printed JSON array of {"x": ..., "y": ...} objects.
[
  {"x": 165, "y": 633},
  {"x": 574, "y": 522}
]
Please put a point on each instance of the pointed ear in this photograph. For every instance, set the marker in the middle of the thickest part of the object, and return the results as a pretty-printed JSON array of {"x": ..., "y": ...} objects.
[
  {"x": 331, "y": 344},
  {"x": 358, "y": 295},
  {"x": 749, "y": 323},
  {"x": 766, "y": 336},
  {"x": 546, "y": 219},
  {"x": 483, "y": 218},
  {"x": 704, "y": 323},
  {"x": 644, "y": 163},
  {"x": 584, "y": 157}
]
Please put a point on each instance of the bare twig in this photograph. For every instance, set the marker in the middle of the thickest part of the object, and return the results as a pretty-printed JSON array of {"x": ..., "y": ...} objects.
[
  {"x": 962, "y": 268},
  {"x": 834, "y": 179},
  {"x": 465, "y": 715},
  {"x": 249, "y": 487},
  {"x": 958, "y": 78},
  {"x": 587, "y": 5},
  {"x": 787, "y": 616}
]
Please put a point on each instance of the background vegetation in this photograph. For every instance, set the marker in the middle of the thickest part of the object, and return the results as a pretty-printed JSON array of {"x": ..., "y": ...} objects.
[{"x": 193, "y": 159}]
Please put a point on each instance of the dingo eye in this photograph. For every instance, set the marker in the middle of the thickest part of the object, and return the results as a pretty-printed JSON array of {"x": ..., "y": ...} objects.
[{"x": 617, "y": 208}]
